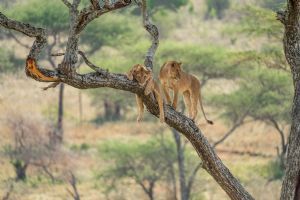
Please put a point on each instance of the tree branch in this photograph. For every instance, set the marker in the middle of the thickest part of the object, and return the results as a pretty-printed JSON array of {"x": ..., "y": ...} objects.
[
  {"x": 88, "y": 14},
  {"x": 229, "y": 132},
  {"x": 10, "y": 34},
  {"x": 280, "y": 15},
  {"x": 91, "y": 65},
  {"x": 67, "y": 3},
  {"x": 211, "y": 162},
  {"x": 152, "y": 30}
]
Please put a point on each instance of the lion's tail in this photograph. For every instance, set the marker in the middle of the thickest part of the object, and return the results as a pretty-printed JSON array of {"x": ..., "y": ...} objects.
[{"x": 207, "y": 120}]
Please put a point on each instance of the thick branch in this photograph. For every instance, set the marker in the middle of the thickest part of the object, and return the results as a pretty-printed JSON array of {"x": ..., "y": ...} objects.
[
  {"x": 291, "y": 184},
  {"x": 211, "y": 162},
  {"x": 90, "y": 13},
  {"x": 152, "y": 30}
]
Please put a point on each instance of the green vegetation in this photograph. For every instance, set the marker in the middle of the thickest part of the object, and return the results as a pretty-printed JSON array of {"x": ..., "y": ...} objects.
[{"x": 241, "y": 66}]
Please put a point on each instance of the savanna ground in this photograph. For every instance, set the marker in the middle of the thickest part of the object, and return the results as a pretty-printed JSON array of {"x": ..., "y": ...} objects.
[{"x": 250, "y": 152}]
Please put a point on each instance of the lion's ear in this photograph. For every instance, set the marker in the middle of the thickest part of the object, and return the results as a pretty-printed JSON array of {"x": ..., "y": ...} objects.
[
  {"x": 180, "y": 63},
  {"x": 145, "y": 68},
  {"x": 130, "y": 75}
]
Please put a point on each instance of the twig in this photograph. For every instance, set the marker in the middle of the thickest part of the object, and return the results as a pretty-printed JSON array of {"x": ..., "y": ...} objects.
[
  {"x": 17, "y": 40},
  {"x": 57, "y": 54},
  {"x": 67, "y": 3},
  {"x": 52, "y": 85},
  {"x": 91, "y": 65}
]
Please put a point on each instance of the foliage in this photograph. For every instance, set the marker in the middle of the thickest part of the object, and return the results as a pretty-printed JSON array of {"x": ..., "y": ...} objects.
[
  {"x": 166, "y": 4},
  {"x": 112, "y": 30},
  {"x": 258, "y": 96},
  {"x": 275, "y": 5},
  {"x": 145, "y": 162},
  {"x": 260, "y": 21},
  {"x": 275, "y": 171},
  {"x": 216, "y": 8},
  {"x": 40, "y": 14},
  {"x": 208, "y": 61}
]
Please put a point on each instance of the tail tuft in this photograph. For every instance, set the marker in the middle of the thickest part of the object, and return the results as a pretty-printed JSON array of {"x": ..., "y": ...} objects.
[{"x": 210, "y": 122}]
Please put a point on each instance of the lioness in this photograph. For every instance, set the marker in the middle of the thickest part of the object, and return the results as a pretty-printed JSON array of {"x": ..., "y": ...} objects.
[
  {"x": 173, "y": 77},
  {"x": 145, "y": 78}
]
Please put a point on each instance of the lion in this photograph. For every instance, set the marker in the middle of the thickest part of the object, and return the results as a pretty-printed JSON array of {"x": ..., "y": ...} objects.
[
  {"x": 145, "y": 78},
  {"x": 173, "y": 77}
]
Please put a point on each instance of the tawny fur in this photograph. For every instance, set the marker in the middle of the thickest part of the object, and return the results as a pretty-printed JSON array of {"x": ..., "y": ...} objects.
[
  {"x": 145, "y": 78},
  {"x": 172, "y": 77}
]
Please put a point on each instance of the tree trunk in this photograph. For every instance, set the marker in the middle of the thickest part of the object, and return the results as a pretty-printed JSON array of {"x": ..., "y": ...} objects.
[
  {"x": 181, "y": 166},
  {"x": 117, "y": 113},
  {"x": 80, "y": 106},
  {"x": 107, "y": 110},
  {"x": 291, "y": 20},
  {"x": 20, "y": 170},
  {"x": 60, "y": 130}
]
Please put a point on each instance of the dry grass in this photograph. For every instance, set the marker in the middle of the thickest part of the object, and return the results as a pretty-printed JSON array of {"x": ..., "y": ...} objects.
[{"x": 22, "y": 95}]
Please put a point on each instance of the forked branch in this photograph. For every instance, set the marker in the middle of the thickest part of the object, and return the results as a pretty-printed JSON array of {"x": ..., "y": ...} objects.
[
  {"x": 211, "y": 162},
  {"x": 152, "y": 30}
]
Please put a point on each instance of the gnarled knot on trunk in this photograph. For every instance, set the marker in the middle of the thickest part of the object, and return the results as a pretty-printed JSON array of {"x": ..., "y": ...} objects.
[{"x": 66, "y": 68}]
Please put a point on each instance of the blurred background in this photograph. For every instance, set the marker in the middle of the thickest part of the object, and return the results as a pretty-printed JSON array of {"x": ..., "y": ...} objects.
[{"x": 66, "y": 143}]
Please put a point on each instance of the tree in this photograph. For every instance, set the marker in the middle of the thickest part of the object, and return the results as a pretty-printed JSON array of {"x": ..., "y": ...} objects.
[
  {"x": 146, "y": 163},
  {"x": 101, "y": 78},
  {"x": 260, "y": 92},
  {"x": 187, "y": 171},
  {"x": 290, "y": 18},
  {"x": 57, "y": 19},
  {"x": 31, "y": 145}
]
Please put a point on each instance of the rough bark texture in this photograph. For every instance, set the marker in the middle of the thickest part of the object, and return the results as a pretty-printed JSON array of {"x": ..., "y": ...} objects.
[
  {"x": 101, "y": 78},
  {"x": 291, "y": 41}
]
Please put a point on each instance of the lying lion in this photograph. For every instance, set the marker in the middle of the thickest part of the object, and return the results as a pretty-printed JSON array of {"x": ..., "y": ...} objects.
[{"x": 145, "y": 78}]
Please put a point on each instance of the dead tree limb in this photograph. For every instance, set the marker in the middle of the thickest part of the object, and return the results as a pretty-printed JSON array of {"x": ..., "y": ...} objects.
[{"x": 152, "y": 30}]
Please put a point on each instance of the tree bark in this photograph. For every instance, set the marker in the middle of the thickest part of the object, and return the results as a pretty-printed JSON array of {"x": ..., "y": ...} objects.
[
  {"x": 102, "y": 78},
  {"x": 181, "y": 166},
  {"x": 291, "y": 42}
]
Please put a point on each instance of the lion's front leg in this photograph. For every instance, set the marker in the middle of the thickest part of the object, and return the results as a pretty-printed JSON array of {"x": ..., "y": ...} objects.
[{"x": 140, "y": 105}]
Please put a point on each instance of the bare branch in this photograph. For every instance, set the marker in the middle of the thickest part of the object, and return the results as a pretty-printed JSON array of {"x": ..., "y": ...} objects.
[
  {"x": 192, "y": 176},
  {"x": 73, "y": 183},
  {"x": 89, "y": 14},
  {"x": 152, "y": 30},
  {"x": 52, "y": 85},
  {"x": 57, "y": 54},
  {"x": 67, "y": 3},
  {"x": 10, "y": 34},
  {"x": 91, "y": 65},
  {"x": 281, "y": 16}
]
